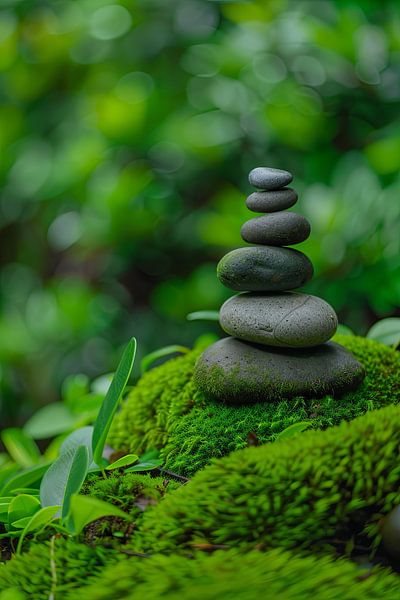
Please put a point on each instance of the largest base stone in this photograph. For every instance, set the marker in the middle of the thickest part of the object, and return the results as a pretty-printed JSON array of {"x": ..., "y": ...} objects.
[{"x": 240, "y": 372}]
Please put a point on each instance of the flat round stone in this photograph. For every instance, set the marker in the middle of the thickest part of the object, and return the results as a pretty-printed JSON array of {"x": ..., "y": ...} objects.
[
  {"x": 267, "y": 178},
  {"x": 239, "y": 372},
  {"x": 264, "y": 269},
  {"x": 271, "y": 201},
  {"x": 290, "y": 319},
  {"x": 277, "y": 229}
]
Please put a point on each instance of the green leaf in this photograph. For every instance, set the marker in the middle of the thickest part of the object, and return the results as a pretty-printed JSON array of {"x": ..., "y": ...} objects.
[
  {"x": 149, "y": 359},
  {"x": 128, "y": 459},
  {"x": 145, "y": 466},
  {"x": 49, "y": 421},
  {"x": 293, "y": 430},
  {"x": 22, "y": 506},
  {"x": 203, "y": 315},
  {"x": 40, "y": 519},
  {"x": 79, "y": 437},
  {"x": 344, "y": 330},
  {"x": 86, "y": 509},
  {"x": 20, "y": 523},
  {"x": 64, "y": 478},
  {"x": 20, "y": 446},
  {"x": 386, "y": 331},
  {"x": 24, "y": 478},
  {"x": 110, "y": 403}
]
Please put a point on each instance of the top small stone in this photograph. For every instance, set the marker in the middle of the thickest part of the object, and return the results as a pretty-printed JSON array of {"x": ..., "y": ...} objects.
[{"x": 266, "y": 178}]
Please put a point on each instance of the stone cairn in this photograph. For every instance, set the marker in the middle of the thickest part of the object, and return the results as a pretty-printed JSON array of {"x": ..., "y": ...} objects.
[{"x": 279, "y": 346}]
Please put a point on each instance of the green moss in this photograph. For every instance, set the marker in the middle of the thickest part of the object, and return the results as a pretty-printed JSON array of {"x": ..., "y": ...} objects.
[
  {"x": 316, "y": 490},
  {"x": 166, "y": 411},
  {"x": 227, "y": 575},
  {"x": 57, "y": 566}
]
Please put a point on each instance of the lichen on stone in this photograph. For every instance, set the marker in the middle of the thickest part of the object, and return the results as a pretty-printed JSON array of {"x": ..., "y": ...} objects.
[{"x": 166, "y": 410}]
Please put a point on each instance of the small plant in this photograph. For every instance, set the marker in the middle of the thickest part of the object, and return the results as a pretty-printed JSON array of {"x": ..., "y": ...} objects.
[{"x": 25, "y": 509}]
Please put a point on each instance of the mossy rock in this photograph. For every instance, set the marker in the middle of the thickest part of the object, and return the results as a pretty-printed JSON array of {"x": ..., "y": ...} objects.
[
  {"x": 225, "y": 575},
  {"x": 167, "y": 411},
  {"x": 317, "y": 491}
]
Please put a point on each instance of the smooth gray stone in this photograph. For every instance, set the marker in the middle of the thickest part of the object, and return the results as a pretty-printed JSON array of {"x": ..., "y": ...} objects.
[
  {"x": 239, "y": 372},
  {"x": 271, "y": 201},
  {"x": 264, "y": 269},
  {"x": 267, "y": 178},
  {"x": 289, "y": 320},
  {"x": 277, "y": 229}
]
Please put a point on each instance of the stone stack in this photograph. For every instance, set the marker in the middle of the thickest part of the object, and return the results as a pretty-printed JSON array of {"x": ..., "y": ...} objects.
[{"x": 279, "y": 346}]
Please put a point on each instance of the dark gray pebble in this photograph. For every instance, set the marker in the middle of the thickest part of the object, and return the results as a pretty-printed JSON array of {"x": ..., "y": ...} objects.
[
  {"x": 239, "y": 372},
  {"x": 271, "y": 201},
  {"x": 264, "y": 269},
  {"x": 277, "y": 229},
  {"x": 266, "y": 178},
  {"x": 289, "y": 320}
]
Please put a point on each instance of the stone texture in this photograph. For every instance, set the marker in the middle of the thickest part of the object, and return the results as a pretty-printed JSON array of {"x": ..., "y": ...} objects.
[
  {"x": 271, "y": 201},
  {"x": 267, "y": 178},
  {"x": 288, "y": 319},
  {"x": 237, "y": 372},
  {"x": 264, "y": 269},
  {"x": 277, "y": 229}
]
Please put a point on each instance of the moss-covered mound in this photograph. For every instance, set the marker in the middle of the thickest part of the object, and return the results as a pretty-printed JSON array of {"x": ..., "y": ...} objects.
[
  {"x": 166, "y": 410},
  {"x": 53, "y": 567},
  {"x": 320, "y": 489},
  {"x": 226, "y": 575}
]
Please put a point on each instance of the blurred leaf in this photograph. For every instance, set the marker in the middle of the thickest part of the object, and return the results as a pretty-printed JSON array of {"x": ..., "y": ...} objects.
[
  {"x": 293, "y": 430},
  {"x": 386, "y": 331},
  {"x": 24, "y": 478},
  {"x": 344, "y": 330},
  {"x": 203, "y": 315},
  {"x": 49, "y": 421},
  {"x": 20, "y": 446},
  {"x": 148, "y": 360}
]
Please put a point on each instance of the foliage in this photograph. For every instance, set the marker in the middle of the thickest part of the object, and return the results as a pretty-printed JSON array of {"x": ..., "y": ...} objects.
[
  {"x": 128, "y": 129},
  {"x": 315, "y": 491},
  {"x": 166, "y": 411},
  {"x": 62, "y": 480}
]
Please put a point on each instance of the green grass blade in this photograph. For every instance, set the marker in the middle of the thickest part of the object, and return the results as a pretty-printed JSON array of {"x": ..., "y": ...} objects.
[{"x": 110, "y": 403}]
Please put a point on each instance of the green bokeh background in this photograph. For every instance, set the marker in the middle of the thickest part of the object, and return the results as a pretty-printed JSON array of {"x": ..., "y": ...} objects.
[{"x": 127, "y": 130}]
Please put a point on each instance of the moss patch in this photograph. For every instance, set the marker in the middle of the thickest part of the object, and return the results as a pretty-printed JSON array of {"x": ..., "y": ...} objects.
[
  {"x": 166, "y": 410},
  {"x": 317, "y": 490},
  {"x": 227, "y": 575},
  {"x": 58, "y": 566}
]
